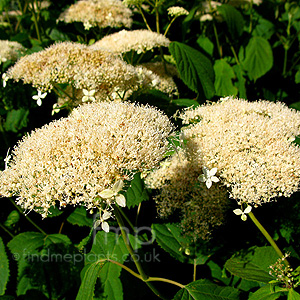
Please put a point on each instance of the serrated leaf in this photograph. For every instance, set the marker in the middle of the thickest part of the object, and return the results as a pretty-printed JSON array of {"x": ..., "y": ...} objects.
[
  {"x": 16, "y": 119},
  {"x": 267, "y": 292},
  {"x": 254, "y": 266},
  {"x": 224, "y": 76},
  {"x": 297, "y": 76},
  {"x": 22, "y": 246},
  {"x": 233, "y": 19},
  {"x": 57, "y": 238},
  {"x": 137, "y": 192},
  {"x": 205, "y": 290},
  {"x": 4, "y": 268},
  {"x": 185, "y": 102},
  {"x": 258, "y": 58},
  {"x": 195, "y": 69},
  {"x": 293, "y": 295},
  {"x": 80, "y": 217},
  {"x": 169, "y": 237},
  {"x": 206, "y": 44},
  {"x": 109, "y": 245},
  {"x": 12, "y": 219},
  {"x": 91, "y": 273}
]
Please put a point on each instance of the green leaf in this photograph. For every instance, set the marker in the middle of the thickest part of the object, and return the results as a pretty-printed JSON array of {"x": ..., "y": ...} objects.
[
  {"x": 264, "y": 28},
  {"x": 91, "y": 272},
  {"x": 295, "y": 105},
  {"x": 56, "y": 238},
  {"x": 22, "y": 246},
  {"x": 169, "y": 237},
  {"x": 80, "y": 217},
  {"x": 57, "y": 35},
  {"x": 12, "y": 219},
  {"x": 293, "y": 295},
  {"x": 185, "y": 102},
  {"x": 195, "y": 69},
  {"x": 297, "y": 76},
  {"x": 241, "y": 81},
  {"x": 16, "y": 119},
  {"x": 259, "y": 57},
  {"x": 267, "y": 292},
  {"x": 206, "y": 44},
  {"x": 233, "y": 19},
  {"x": 137, "y": 192},
  {"x": 109, "y": 245},
  {"x": 254, "y": 266},
  {"x": 224, "y": 76},
  {"x": 205, "y": 290},
  {"x": 4, "y": 268}
]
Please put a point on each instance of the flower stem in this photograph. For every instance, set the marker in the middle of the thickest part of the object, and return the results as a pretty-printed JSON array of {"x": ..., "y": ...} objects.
[
  {"x": 267, "y": 236},
  {"x": 6, "y": 230},
  {"x": 138, "y": 265}
]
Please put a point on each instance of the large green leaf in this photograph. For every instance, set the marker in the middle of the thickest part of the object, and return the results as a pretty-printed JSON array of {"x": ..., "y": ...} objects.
[
  {"x": 108, "y": 246},
  {"x": 224, "y": 75},
  {"x": 297, "y": 76},
  {"x": 293, "y": 295},
  {"x": 267, "y": 292},
  {"x": 16, "y": 119},
  {"x": 195, "y": 69},
  {"x": 91, "y": 273},
  {"x": 264, "y": 28},
  {"x": 206, "y": 44},
  {"x": 259, "y": 57},
  {"x": 205, "y": 290},
  {"x": 254, "y": 266},
  {"x": 170, "y": 238},
  {"x": 137, "y": 192},
  {"x": 4, "y": 268},
  {"x": 80, "y": 217},
  {"x": 233, "y": 19}
]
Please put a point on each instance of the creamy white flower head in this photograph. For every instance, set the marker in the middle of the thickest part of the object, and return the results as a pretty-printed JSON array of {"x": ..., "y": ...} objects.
[
  {"x": 140, "y": 40},
  {"x": 10, "y": 50},
  {"x": 250, "y": 144},
  {"x": 38, "y": 98},
  {"x": 72, "y": 160},
  {"x": 244, "y": 213},
  {"x": 101, "y": 13},
  {"x": 208, "y": 176},
  {"x": 177, "y": 11},
  {"x": 7, "y": 159},
  {"x": 88, "y": 95}
]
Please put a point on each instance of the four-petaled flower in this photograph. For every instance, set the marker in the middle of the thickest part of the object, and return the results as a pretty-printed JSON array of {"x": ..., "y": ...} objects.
[
  {"x": 241, "y": 213},
  {"x": 114, "y": 193},
  {"x": 208, "y": 176},
  {"x": 88, "y": 95},
  {"x": 104, "y": 225},
  {"x": 5, "y": 79},
  {"x": 39, "y": 97},
  {"x": 55, "y": 109}
]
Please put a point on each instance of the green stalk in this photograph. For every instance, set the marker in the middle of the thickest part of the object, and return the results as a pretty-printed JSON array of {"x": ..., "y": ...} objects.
[
  {"x": 28, "y": 219},
  {"x": 268, "y": 237},
  {"x": 165, "y": 34},
  {"x": 144, "y": 18},
  {"x": 217, "y": 39},
  {"x": 36, "y": 25},
  {"x": 7, "y": 231},
  {"x": 138, "y": 265}
]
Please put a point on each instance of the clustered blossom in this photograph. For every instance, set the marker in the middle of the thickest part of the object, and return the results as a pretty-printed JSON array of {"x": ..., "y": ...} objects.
[
  {"x": 250, "y": 144},
  {"x": 10, "y": 50},
  {"x": 141, "y": 40},
  {"x": 79, "y": 159},
  {"x": 283, "y": 273},
  {"x": 82, "y": 68},
  {"x": 200, "y": 209},
  {"x": 177, "y": 11},
  {"x": 101, "y": 13}
]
